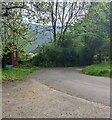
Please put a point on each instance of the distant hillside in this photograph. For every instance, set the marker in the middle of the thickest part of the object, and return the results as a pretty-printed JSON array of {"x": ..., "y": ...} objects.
[{"x": 43, "y": 34}]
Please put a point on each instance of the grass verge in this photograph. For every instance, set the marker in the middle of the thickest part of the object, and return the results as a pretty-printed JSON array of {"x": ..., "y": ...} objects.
[
  {"x": 17, "y": 73},
  {"x": 98, "y": 70}
]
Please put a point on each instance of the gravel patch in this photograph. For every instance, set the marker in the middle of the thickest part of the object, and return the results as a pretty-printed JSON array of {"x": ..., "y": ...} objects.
[{"x": 31, "y": 99}]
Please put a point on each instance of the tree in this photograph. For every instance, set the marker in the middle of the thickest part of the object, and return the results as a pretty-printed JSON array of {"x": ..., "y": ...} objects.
[
  {"x": 14, "y": 32},
  {"x": 110, "y": 31},
  {"x": 58, "y": 14},
  {"x": 93, "y": 31},
  {"x": 65, "y": 14},
  {"x": 7, "y": 7}
]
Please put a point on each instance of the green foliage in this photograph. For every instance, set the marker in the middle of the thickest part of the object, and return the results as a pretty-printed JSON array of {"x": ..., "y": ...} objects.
[
  {"x": 19, "y": 38},
  {"x": 52, "y": 56},
  {"x": 14, "y": 31},
  {"x": 24, "y": 55},
  {"x": 91, "y": 35},
  {"x": 17, "y": 73},
  {"x": 86, "y": 42},
  {"x": 98, "y": 70}
]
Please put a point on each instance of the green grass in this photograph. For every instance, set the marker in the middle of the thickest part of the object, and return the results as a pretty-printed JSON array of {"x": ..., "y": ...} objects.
[
  {"x": 98, "y": 70},
  {"x": 17, "y": 73}
]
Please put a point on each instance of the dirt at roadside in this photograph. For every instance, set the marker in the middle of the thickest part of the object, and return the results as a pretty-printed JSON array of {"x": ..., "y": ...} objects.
[{"x": 31, "y": 99}]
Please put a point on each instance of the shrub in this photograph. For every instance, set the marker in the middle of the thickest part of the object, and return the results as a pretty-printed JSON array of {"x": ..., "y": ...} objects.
[{"x": 52, "y": 56}]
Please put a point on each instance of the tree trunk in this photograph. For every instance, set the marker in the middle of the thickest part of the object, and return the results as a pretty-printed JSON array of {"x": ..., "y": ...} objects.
[
  {"x": 17, "y": 58},
  {"x": 12, "y": 57}
]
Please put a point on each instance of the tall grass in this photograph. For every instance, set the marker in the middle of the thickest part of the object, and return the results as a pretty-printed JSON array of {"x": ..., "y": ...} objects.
[
  {"x": 103, "y": 69},
  {"x": 17, "y": 73}
]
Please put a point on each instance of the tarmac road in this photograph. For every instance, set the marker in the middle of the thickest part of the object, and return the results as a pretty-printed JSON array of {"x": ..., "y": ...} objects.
[{"x": 72, "y": 82}]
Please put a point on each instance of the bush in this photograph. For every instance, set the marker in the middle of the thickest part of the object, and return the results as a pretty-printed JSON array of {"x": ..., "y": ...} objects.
[{"x": 52, "y": 56}]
